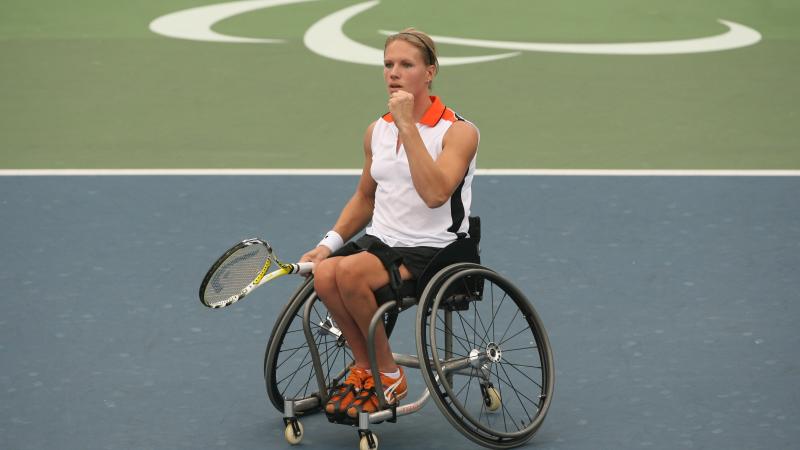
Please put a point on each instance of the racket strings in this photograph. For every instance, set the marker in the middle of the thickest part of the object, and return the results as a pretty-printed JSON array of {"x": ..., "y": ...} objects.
[{"x": 239, "y": 270}]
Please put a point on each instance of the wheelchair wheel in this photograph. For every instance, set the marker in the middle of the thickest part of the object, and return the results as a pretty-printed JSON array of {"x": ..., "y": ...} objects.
[
  {"x": 288, "y": 368},
  {"x": 485, "y": 354}
]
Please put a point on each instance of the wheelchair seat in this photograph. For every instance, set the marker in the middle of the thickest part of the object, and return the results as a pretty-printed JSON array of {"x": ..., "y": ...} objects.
[{"x": 464, "y": 249}]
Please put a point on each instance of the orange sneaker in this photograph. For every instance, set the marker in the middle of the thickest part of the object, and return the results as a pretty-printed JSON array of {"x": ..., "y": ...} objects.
[
  {"x": 341, "y": 396},
  {"x": 394, "y": 389}
]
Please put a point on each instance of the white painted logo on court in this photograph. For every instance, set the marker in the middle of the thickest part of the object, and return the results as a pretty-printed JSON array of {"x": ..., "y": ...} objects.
[{"x": 326, "y": 38}]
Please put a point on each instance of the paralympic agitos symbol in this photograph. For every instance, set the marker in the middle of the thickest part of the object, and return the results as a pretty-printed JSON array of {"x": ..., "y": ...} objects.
[{"x": 326, "y": 38}]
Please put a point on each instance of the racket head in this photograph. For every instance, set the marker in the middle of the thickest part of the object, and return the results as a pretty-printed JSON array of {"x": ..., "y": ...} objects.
[{"x": 234, "y": 274}]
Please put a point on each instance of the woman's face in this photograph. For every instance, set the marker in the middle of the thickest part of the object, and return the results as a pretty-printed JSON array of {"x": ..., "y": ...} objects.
[{"x": 404, "y": 68}]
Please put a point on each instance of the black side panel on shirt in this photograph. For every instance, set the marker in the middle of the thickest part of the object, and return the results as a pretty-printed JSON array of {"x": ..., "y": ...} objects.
[{"x": 457, "y": 210}]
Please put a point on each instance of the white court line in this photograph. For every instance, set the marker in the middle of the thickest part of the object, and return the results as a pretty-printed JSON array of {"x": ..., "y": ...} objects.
[
  {"x": 172, "y": 172},
  {"x": 351, "y": 172},
  {"x": 641, "y": 173}
]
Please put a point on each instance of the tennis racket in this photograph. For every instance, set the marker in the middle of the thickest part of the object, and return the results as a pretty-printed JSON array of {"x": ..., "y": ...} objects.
[{"x": 242, "y": 269}]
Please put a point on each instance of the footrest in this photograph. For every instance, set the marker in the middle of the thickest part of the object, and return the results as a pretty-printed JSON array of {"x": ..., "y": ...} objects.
[
  {"x": 341, "y": 419},
  {"x": 344, "y": 419}
]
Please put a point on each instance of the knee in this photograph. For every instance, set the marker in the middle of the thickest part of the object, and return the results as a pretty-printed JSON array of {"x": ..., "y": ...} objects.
[
  {"x": 325, "y": 278},
  {"x": 350, "y": 275}
]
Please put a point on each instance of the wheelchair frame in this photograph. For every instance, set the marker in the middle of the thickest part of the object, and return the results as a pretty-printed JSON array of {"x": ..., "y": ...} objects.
[{"x": 455, "y": 287}]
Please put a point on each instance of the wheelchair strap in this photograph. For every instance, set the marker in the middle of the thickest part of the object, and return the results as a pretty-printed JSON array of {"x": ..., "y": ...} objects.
[{"x": 391, "y": 261}]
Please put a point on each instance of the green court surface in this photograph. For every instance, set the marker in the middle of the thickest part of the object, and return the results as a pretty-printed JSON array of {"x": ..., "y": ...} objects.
[{"x": 87, "y": 84}]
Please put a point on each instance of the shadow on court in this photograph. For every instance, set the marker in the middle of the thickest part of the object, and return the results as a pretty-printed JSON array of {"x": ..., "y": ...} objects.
[{"x": 671, "y": 304}]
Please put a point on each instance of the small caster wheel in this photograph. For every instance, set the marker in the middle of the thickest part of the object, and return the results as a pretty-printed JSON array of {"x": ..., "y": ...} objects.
[
  {"x": 363, "y": 444},
  {"x": 290, "y": 435},
  {"x": 492, "y": 399}
]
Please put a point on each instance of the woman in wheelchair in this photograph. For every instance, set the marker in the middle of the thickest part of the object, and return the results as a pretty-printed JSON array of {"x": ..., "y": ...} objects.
[{"x": 413, "y": 197}]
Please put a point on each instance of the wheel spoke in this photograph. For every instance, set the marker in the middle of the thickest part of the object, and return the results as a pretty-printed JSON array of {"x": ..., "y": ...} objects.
[
  {"x": 524, "y": 329},
  {"x": 482, "y": 411},
  {"x": 304, "y": 387},
  {"x": 460, "y": 340},
  {"x": 331, "y": 360},
  {"x": 519, "y": 348},
  {"x": 474, "y": 332},
  {"x": 491, "y": 324},
  {"x": 462, "y": 390},
  {"x": 516, "y": 393},
  {"x": 295, "y": 349},
  {"x": 524, "y": 375},
  {"x": 480, "y": 319},
  {"x": 494, "y": 316},
  {"x": 502, "y": 405},
  {"x": 502, "y": 339},
  {"x": 464, "y": 336},
  {"x": 524, "y": 365},
  {"x": 327, "y": 360},
  {"x": 290, "y": 355},
  {"x": 292, "y": 375},
  {"x": 532, "y": 401}
]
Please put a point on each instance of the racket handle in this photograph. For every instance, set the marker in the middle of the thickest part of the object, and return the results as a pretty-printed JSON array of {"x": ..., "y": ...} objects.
[{"x": 302, "y": 268}]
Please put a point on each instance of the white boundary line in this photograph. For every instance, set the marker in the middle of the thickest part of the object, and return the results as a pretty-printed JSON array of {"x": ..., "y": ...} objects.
[
  {"x": 351, "y": 172},
  {"x": 641, "y": 173},
  {"x": 173, "y": 172}
]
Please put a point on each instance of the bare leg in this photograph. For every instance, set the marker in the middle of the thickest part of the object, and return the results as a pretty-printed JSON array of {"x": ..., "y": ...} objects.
[
  {"x": 325, "y": 284},
  {"x": 357, "y": 276}
]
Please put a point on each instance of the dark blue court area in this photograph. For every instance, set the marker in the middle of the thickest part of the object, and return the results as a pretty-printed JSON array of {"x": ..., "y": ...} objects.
[{"x": 672, "y": 305}]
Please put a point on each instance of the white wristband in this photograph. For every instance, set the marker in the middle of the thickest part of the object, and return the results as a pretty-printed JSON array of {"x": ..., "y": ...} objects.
[{"x": 332, "y": 240}]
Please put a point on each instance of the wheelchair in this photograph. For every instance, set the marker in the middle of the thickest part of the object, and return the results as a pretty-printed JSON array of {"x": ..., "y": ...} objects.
[{"x": 481, "y": 347}]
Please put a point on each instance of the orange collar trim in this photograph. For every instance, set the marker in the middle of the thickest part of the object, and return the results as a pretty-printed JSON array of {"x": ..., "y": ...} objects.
[{"x": 431, "y": 116}]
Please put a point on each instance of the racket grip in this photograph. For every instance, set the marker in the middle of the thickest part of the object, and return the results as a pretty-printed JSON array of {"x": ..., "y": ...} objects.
[{"x": 302, "y": 268}]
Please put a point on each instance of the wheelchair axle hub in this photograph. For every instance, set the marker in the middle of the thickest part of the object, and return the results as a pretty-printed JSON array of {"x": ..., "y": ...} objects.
[{"x": 492, "y": 353}]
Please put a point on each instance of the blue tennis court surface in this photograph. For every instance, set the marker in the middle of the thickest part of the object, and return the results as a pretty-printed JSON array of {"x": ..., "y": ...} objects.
[{"x": 671, "y": 303}]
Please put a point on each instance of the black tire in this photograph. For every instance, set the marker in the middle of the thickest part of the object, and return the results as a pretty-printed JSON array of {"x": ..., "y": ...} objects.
[{"x": 494, "y": 326}]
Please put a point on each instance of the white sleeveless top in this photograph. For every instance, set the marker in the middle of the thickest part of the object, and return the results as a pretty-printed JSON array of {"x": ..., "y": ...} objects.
[{"x": 400, "y": 217}]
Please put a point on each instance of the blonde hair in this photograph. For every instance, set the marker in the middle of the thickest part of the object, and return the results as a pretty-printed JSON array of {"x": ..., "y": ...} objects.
[{"x": 421, "y": 41}]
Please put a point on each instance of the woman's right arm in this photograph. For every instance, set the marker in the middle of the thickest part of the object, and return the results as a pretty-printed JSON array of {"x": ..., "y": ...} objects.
[{"x": 357, "y": 213}]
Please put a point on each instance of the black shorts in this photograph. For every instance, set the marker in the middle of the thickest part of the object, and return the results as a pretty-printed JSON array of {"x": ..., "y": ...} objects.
[{"x": 414, "y": 258}]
